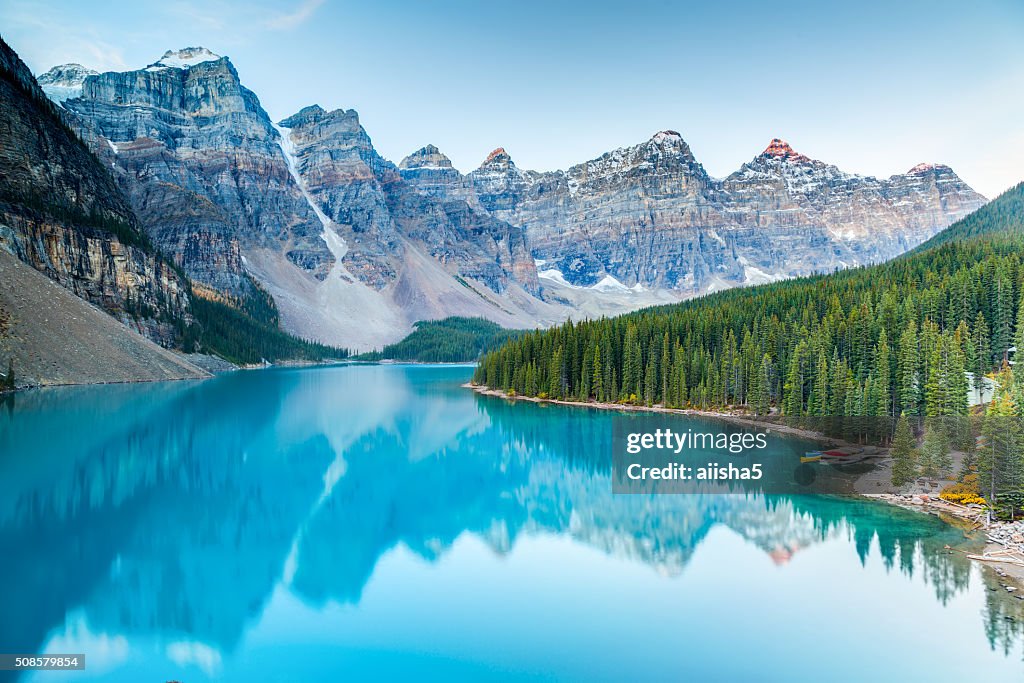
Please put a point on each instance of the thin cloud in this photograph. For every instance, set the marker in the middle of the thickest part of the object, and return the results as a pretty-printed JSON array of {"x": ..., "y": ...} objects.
[
  {"x": 78, "y": 43},
  {"x": 302, "y": 14}
]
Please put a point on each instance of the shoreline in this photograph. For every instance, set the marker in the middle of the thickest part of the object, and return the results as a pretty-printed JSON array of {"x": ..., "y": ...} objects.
[
  {"x": 1004, "y": 557},
  {"x": 808, "y": 434},
  {"x": 1008, "y": 569},
  {"x": 210, "y": 374}
]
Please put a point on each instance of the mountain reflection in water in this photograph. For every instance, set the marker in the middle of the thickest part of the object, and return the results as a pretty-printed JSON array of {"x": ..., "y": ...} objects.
[{"x": 154, "y": 526}]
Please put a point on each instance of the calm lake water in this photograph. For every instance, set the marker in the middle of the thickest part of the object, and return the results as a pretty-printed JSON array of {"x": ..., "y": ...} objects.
[{"x": 380, "y": 522}]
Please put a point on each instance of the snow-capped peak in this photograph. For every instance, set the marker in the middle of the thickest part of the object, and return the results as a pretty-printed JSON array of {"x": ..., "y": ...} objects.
[
  {"x": 664, "y": 135},
  {"x": 780, "y": 149},
  {"x": 65, "y": 81},
  {"x": 67, "y": 74},
  {"x": 185, "y": 58},
  {"x": 925, "y": 168}
]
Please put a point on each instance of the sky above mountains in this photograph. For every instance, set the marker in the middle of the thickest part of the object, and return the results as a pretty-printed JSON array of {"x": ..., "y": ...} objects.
[{"x": 874, "y": 87}]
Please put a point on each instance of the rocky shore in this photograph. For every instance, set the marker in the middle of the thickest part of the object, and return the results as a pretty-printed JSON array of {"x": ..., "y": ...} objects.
[{"x": 1004, "y": 548}]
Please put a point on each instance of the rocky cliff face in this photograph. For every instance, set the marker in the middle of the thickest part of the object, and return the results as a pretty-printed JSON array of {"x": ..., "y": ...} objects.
[
  {"x": 380, "y": 215},
  {"x": 202, "y": 165},
  {"x": 650, "y": 217},
  {"x": 62, "y": 213},
  {"x": 402, "y": 255},
  {"x": 432, "y": 174}
]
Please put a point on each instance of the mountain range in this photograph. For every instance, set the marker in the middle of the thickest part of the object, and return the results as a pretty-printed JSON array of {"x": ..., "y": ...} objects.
[{"x": 354, "y": 249}]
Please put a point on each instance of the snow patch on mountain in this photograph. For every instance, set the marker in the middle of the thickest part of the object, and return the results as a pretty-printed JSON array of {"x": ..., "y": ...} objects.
[
  {"x": 64, "y": 82},
  {"x": 183, "y": 59},
  {"x": 606, "y": 284}
]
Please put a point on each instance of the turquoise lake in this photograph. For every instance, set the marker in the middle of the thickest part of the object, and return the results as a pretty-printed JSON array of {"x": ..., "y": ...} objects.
[{"x": 369, "y": 522}]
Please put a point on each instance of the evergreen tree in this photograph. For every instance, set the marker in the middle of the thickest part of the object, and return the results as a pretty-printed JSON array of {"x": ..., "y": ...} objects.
[
  {"x": 936, "y": 382},
  {"x": 632, "y": 370},
  {"x": 1001, "y": 457},
  {"x": 586, "y": 375},
  {"x": 1001, "y": 296},
  {"x": 793, "y": 392},
  {"x": 957, "y": 373},
  {"x": 665, "y": 369},
  {"x": 883, "y": 375},
  {"x": 760, "y": 399},
  {"x": 1018, "y": 342},
  {"x": 908, "y": 369},
  {"x": 904, "y": 454},
  {"x": 650, "y": 382},
  {"x": 981, "y": 354},
  {"x": 817, "y": 402},
  {"x": 935, "y": 456}
]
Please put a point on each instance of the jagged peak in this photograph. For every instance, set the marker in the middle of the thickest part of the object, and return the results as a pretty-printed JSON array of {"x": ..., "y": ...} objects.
[
  {"x": 780, "y": 149},
  {"x": 670, "y": 135},
  {"x": 185, "y": 58},
  {"x": 426, "y": 157},
  {"x": 498, "y": 153},
  {"x": 498, "y": 158},
  {"x": 312, "y": 111},
  {"x": 64, "y": 81},
  {"x": 72, "y": 72},
  {"x": 315, "y": 113},
  {"x": 926, "y": 168}
]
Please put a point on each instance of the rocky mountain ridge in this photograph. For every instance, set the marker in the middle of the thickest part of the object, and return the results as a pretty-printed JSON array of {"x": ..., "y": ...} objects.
[
  {"x": 328, "y": 226},
  {"x": 202, "y": 165},
  {"x": 355, "y": 249},
  {"x": 651, "y": 216}
]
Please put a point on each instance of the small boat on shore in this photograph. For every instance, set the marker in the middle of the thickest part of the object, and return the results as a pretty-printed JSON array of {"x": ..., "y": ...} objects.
[{"x": 844, "y": 452}]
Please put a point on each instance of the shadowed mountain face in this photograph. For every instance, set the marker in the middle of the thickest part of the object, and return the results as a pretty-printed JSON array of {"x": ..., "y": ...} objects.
[
  {"x": 62, "y": 213},
  {"x": 185, "y": 507},
  {"x": 335, "y": 231}
]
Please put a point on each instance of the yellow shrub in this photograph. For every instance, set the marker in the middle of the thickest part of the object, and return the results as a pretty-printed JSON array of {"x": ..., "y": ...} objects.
[
  {"x": 963, "y": 498},
  {"x": 964, "y": 493}
]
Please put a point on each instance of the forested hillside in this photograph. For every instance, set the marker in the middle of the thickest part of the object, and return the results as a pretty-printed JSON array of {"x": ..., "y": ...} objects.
[
  {"x": 247, "y": 331},
  {"x": 897, "y": 338},
  {"x": 1004, "y": 216},
  {"x": 451, "y": 340}
]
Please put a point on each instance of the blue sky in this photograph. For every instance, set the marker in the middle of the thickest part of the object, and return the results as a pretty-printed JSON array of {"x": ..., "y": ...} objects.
[{"x": 874, "y": 87}]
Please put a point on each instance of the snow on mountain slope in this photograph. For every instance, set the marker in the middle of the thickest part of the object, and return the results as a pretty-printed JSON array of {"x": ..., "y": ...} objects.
[
  {"x": 184, "y": 58},
  {"x": 65, "y": 81}
]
